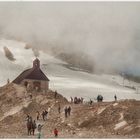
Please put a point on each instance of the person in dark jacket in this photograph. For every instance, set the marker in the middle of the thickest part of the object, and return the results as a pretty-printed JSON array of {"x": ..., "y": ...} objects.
[
  {"x": 59, "y": 109},
  {"x": 38, "y": 115},
  {"x": 69, "y": 110},
  {"x": 43, "y": 116},
  {"x": 34, "y": 126},
  {"x": 115, "y": 97},
  {"x": 46, "y": 114},
  {"x": 55, "y": 94},
  {"x": 66, "y": 112}
]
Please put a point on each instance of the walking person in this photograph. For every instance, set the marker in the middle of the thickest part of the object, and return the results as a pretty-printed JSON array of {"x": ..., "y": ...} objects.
[
  {"x": 71, "y": 99},
  {"x": 43, "y": 116},
  {"x": 55, "y": 132},
  {"x": 46, "y": 114},
  {"x": 90, "y": 102},
  {"x": 66, "y": 112},
  {"x": 59, "y": 109},
  {"x": 115, "y": 97},
  {"x": 34, "y": 126},
  {"x": 39, "y": 128},
  {"x": 38, "y": 115},
  {"x": 82, "y": 100},
  {"x": 69, "y": 110},
  {"x": 49, "y": 109},
  {"x": 27, "y": 117},
  {"x": 55, "y": 94}
]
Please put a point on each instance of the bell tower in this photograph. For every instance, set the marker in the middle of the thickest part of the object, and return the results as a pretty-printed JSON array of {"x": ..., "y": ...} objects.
[{"x": 36, "y": 63}]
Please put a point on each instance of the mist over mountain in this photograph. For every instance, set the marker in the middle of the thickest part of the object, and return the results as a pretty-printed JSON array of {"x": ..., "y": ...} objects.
[{"x": 97, "y": 36}]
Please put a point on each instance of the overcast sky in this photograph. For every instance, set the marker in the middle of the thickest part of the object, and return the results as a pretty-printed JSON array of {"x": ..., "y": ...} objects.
[{"x": 109, "y": 32}]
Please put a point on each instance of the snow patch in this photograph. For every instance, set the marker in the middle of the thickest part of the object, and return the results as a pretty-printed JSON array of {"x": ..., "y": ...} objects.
[
  {"x": 15, "y": 110},
  {"x": 128, "y": 128},
  {"x": 121, "y": 117},
  {"x": 115, "y": 104},
  {"x": 44, "y": 102},
  {"x": 120, "y": 125},
  {"x": 101, "y": 110}
]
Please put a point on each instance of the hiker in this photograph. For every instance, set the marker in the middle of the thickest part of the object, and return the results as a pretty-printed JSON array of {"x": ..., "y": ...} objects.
[
  {"x": 34, "y": 126},
  {"x": 75, "y": 100},
  {"x": 66, "y": 111},
  {"x": 115, "y": 97},
  {"x": 30, "y": 95},
  {"x": 99, "y": 98},
  {"x": 71, "y": 99},
  {"x": 38, "y": 115},
  {"x": 55, "y": 94},
  {"x": 90, "y": 102},
  {"x": 39, "y": 128},
  {"x": 59, "y": 109},
  {"x": 30, "y": 119},
  {"x": 55, "y": 132},
  {"x": 27, "y": 117},
  {"x": 29, "y": 125},
  {"x": 69, "y": 110},
  {"x": 8, "y": 81},
  {"x": 43, "y": 116},
  {"x": 46, "y": 113},
  {"x": 49, "y": 109},
  {"x": 82, "y": 99}
]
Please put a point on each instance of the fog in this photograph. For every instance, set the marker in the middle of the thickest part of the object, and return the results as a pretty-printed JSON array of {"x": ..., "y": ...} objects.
[{"x": 107, "y": 32}]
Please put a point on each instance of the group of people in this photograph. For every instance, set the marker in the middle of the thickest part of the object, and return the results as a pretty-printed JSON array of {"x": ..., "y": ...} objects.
[
  {"x": 100, "y": 99},
  {"x": 77, "y": 100},
  {"x": 67, "y": 111},
  {"x": 44, "y": 115},
  {"x": 31, "y": 125}
]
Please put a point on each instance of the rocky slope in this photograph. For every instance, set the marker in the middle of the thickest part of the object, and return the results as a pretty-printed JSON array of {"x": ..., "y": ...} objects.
[{"x": 119, "y": 119}]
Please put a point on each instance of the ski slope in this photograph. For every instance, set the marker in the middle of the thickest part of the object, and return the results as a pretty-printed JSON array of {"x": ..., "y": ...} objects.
[{"x": 67, "y": 81}]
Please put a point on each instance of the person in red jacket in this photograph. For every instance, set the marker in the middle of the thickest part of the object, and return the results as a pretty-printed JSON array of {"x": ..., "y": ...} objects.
[{"x": 55, "y": 132}]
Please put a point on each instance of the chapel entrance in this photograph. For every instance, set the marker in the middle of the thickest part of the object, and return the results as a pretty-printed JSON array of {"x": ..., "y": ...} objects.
[{"x": 37, "y": 85}]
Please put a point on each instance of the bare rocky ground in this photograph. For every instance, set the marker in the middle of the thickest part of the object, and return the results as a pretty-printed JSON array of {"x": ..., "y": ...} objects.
[{"x": 101, "y": 120}]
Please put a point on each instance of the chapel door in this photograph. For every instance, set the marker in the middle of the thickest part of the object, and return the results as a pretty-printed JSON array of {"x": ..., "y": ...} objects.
[{"x": 37, "y": 85}]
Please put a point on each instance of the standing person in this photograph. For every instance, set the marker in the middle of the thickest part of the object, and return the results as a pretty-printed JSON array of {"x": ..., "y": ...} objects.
[
  {"x": 55, "y": 94},
  {"x": 39, "y": 128},
  {"x": 30, "y": 95},
  {"x": 71, "y": 99},
  {"x": 8, "y": 81},
  {"x": 115, "y": 97},
  {"x": 34, "y": 126},
  {"x": 30, "y": 118},
  {"x": 46, "y": 113},
  {"x": 69, "y": 110},
  {"x": 59, "y": 109},
  {"x": 55, "y": 132},
  {"x": 82, "y": 99},
  {"x": 66, "y": 111},
  {"x": 49, "y": 109},
  {"x": 43, "y": 116},
  {"x": 38, "y": 115},
  {"x": 27, "y": 117},
  {"x": 90, "y": 102}
]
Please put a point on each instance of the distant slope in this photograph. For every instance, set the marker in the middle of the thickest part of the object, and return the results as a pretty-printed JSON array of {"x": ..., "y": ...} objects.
[{"x": 67, "y": 80}]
